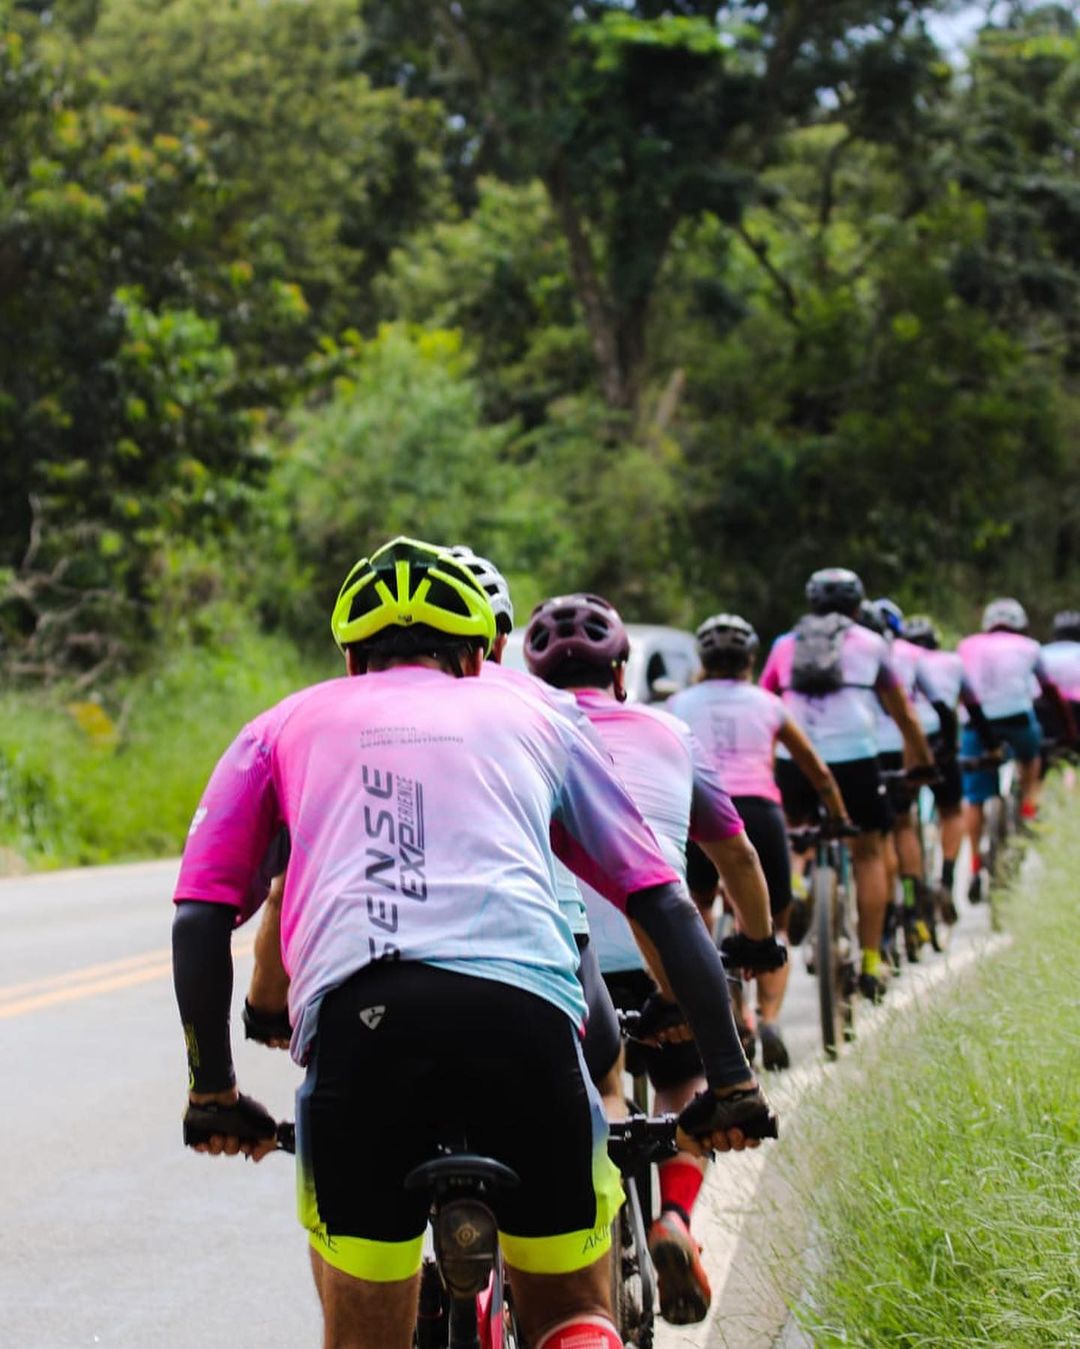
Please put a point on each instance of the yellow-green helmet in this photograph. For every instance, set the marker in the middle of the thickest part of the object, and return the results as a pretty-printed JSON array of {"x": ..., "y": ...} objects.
[{"x": 408, "y": 583}]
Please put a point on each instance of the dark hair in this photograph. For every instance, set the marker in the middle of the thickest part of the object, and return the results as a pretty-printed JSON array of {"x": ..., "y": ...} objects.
[
  {"x": 727, "y": 664},
  {"x": 580, "y": 674},
  {"x": 419, "y": 640}
]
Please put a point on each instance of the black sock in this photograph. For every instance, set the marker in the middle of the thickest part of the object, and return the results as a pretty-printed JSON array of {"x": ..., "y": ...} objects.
[{"x": 947, "y": 870}]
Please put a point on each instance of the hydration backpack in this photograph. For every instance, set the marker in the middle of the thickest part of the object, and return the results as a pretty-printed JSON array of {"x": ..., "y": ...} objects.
[{"x": 819, "y": 639}]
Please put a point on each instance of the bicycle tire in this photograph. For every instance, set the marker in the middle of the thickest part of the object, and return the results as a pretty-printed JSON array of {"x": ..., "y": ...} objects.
[
  {"x": 830, "y": 1000},
  {"x": 633, "y": 1284}
]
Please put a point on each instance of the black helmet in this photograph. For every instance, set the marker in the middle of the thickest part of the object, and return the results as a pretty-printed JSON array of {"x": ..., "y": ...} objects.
[
  {"x": 725, "y": 635},
  {"x": 834, "y": 590},
  {"x": 868, "y": 615},
  {"x": 1067, "y": 626},
  {"x": 920, "y": 631}
]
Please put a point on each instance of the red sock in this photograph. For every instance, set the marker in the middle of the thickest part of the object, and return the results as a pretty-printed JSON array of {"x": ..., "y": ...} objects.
[
  {"x": 1028, "y": 809},
  {"x": 976, "y": 864},
  {"x": 680, "y": 1183},
  {"x": 586, "y": 1332}
]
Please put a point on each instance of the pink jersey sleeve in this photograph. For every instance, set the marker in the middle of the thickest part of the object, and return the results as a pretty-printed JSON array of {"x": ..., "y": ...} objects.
[
  {"x": 232, "y": 828},
  {"x": 772, "y": 675},
  {"x": 600, "y": 834},
  {"x": 713, "y": 816}
]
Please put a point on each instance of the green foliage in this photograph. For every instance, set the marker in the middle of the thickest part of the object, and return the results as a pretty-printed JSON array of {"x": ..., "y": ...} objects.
[
  {"x": 979, "y": 1242},
  {"x": 399, "y": 449},
  {"x": 71, "y": 798},
  {"x": 320, "y": 175}
]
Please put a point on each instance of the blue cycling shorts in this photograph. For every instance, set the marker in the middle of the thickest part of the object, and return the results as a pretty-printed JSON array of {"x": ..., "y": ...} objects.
[{"x": 1021, "y": 737}]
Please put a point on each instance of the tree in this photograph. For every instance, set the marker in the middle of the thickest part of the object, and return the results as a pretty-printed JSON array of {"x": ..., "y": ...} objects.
[{"x": 637, "y": 117}]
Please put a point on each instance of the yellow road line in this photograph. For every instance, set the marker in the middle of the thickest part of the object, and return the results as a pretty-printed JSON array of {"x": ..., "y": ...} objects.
[
  {"x": 91, "y": 981},
  {"x": 80, "y": 975}
]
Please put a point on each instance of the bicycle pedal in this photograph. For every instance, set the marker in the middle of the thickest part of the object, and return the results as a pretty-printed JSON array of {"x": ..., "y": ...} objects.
[{"x": 466, "y": 1239}]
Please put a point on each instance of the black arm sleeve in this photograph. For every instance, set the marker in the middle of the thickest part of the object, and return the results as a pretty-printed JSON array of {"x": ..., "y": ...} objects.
[
  {"x": 978, "y": 719},
  {"x": 692, "y": 964},
  {"x": 949, "y": 723},
  {"x": 203, "y": 980}
]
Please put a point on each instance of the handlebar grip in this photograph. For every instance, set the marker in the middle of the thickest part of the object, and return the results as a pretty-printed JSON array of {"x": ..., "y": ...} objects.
[{"x": 245, "y": 1119}]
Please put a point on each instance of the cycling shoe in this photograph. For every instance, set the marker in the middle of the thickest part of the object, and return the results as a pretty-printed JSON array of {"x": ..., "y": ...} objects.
[
  {"x": 682, "y": 1282},
  {"x": 774, "y": 1053}
]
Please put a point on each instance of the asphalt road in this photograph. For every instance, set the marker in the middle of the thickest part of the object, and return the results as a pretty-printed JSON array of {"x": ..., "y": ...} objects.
[{"x": 111, "y": 1233}]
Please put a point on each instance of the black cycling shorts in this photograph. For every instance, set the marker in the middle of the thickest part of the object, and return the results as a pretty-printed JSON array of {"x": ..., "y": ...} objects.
[
  {"x": 860, "y": 785},
  {"x": 603, "y": 1039},
  {"x": 901, "y": 792},
  {"x": 408, "y": 1058},
  {"x": 666, "y": 1065},
  {"x": 765, "y": 828}
]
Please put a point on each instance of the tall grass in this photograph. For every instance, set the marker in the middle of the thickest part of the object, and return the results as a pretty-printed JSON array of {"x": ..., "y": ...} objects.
[
  {"x": 72, "y": 793},
  {"x": 945, "y": 1186}
]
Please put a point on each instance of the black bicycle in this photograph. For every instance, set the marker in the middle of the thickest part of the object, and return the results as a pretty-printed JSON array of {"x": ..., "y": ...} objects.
[
  {"x": 464, "y": 1293},
  {"x": 834, "y": 927}
]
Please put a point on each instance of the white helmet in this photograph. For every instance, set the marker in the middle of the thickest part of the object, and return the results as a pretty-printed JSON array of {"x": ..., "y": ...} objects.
[
  {"x": 1005, "y": 613},
  {"x": 492, "y": 582}
]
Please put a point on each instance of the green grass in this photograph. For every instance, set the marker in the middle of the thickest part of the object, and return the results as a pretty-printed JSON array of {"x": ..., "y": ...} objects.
[
  {"x": 70, "y": 798},
  {"x": 942, "y": 1175}
]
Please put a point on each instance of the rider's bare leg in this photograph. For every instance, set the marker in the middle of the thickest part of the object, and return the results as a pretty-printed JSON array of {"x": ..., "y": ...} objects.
[
  {"x": 361, "y": 1314},
  {"x": 871, "y": 887},
  {"x": 543, "y": 1301}
]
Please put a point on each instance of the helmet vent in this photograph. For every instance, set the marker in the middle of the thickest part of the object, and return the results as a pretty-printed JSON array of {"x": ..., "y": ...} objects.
[{"x": 444, "y": 596}]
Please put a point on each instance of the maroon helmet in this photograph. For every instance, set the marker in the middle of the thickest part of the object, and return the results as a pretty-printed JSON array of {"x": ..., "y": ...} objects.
[{"x": 575, "y": 631}]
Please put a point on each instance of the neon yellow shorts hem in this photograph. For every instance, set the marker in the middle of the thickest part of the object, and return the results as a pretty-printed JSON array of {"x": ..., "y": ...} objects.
[{"x": 375, "y": 1261}]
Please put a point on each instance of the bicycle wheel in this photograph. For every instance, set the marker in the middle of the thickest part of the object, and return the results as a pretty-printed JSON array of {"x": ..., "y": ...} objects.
[
  {"x": 826, "y": 958},
  {"x": 633, "y": 1284}
]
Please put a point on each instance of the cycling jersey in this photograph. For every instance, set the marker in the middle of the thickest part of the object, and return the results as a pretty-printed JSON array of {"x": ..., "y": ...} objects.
[
  {"x": 1062, "y": 663},
  {"x": 1000, "y": 667},
  {"x": 947, "y": 671},
  {"x": 916, "y": 678},
  {"x": 840, "y": 725},
  {"x": 423, "y": 811},
  {"x": 736, "y": 723},
  {"x": 567, "y": 891},
  {"x": 676, "y": 790}
]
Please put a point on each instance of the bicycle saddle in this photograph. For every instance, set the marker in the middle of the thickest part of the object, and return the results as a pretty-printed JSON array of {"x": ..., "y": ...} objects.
[{"x": 461, "y": 1170}]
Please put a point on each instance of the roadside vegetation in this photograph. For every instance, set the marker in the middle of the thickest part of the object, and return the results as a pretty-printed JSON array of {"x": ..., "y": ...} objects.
[
  {"x": 89, "y": 780},
  {"x": 942, "y": 1175}
]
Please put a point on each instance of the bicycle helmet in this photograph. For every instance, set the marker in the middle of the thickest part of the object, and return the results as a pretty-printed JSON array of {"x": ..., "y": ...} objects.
[
  {"x": 1067, "y": 626},
  {"x": 410, "y": 596},
  {"x": 1004, "y": 615},
  {"x": 920, "y": 631},
  {"x": 492, "y": 581},
  {"x": 869, "y": 616},
  {"x": 834, "y": 590},
  {"x": 725, "y": 635},
  {"x": 891, "y": 615},
  {"x": 577, "y": 631}
]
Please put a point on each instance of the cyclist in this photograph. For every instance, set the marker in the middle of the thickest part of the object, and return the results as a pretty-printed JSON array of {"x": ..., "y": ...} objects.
[
  {"x": 422, "y": 808},
  {"x": 1002, "y": 664},
  {"x": 1061, "y": 656},
  {"x": 578, "y": 642},
  {"x": 830, "y": 672},
  {"x": 947, "y": 672},
  {"x": 739, "y": 725},
  {"x": 265, "y": 1013},
  {"x": 916, "y": 678}
]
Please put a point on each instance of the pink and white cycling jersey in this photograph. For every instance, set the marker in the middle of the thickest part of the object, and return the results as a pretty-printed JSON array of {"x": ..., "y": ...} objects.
[
  {"x": 840, "y": 725},
  {"x": 567, "y": 890},
  {"x": 947, "y": 671},
  {"x": 423, "y": 812},
  {"x": 674, "y": 787},
  {"x": 736, "y": 723},
  {"x": 1000, "y": 667},
  {"x": 916, "y": 678},
  {"x": 1062, "y": 662}
]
